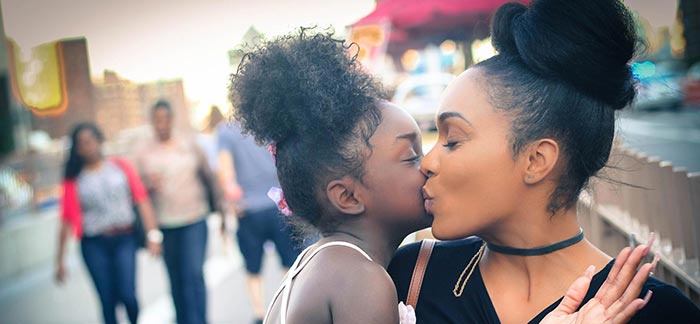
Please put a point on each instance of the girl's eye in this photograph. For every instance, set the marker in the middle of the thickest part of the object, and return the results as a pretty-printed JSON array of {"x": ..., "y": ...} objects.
[
  {"x": 416, "y": 158},
  {"x": 450, "y": 145}
]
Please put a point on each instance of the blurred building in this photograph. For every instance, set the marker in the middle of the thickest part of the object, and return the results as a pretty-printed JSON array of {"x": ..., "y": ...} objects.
[
  {"x": 174, "y": 92},
  {"x": 79, "y": 91},
  {"x": 122, "y": 107},
  {"x": 118, "y": 104}
]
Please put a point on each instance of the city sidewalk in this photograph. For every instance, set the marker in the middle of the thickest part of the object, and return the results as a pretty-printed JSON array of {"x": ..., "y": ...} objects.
[{"x": 33, "y": 298}]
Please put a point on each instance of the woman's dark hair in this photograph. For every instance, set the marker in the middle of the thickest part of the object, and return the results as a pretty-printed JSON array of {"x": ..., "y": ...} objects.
[
  {"x": 561, "y": 72},
  {"x": 75, "y": 163},
  {"x": 162, "y": 104},
  {"x": 304, "y": 93}
]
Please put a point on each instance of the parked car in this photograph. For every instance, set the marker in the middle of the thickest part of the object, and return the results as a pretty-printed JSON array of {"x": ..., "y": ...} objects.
[
  {"x": 691, "y": 87},
  {"x": 662, "y": 89},
  {"x": 420, "y": 95}
]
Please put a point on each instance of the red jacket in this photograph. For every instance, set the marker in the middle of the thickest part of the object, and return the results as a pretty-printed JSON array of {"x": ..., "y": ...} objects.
[{"x": 70, "y": 204}]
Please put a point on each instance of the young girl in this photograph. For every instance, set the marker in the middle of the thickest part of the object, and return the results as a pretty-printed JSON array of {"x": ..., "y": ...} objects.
[{"x": 348, "y": 164}]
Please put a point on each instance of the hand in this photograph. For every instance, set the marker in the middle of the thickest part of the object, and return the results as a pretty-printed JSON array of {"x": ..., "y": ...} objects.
[
  {"x": 235, "y": 208},
  {"x": 616, "y": 301},
  {"x": 60, "y": 274},
  {"x": 154, "y": 248},
  {"x": 233, "y": 192}
]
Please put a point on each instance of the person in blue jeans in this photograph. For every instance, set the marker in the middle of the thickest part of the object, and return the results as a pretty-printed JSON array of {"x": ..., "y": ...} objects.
[
  {"x": 175, "y": 170},
  {"x": 97, "y": 206},
  {"x": 246, "y": 174}
]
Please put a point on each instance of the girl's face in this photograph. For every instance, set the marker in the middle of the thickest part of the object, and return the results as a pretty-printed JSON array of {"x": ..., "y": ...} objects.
[
  {"x": 393, "y": 176},
  {"x": 473, "y": 180},
  {"x": 89, "y": 147}
]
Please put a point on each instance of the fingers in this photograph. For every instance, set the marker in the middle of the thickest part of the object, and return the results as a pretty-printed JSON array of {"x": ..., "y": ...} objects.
[
  {"x": 626, "y": 314},
  {"x": 576, "y": 293},
  {"x": 615, "y": 270},
  {"x": 617, "y": 283},
  {"x": 634, "y": 289},
  {"x": 154, "y": 248}
]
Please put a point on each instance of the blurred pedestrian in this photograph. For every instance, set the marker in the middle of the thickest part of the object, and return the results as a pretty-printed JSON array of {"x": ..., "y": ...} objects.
[
  {"x": 99, "y": 196},
  {"x": 246, "y": 174},
  {"x": 183, "y": 191},
  {"x": 207, "y": 140}
]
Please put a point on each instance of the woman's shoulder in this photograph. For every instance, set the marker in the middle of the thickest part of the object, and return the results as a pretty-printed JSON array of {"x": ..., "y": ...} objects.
[
  {"x": 667, "y": 304},
  {"x": 408, "y": 254},
  {"x": 404, "y": 261}
]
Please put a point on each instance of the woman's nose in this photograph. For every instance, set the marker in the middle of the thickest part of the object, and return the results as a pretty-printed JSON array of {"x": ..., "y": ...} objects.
[{"x": 428, "y": 164}]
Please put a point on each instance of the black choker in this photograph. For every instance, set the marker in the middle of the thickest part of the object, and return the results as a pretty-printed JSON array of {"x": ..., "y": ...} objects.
[{"x": 542, "y": 250}]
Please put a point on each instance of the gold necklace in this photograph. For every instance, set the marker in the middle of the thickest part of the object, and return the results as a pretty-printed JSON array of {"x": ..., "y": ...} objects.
[{"x": 459, "y": 289}]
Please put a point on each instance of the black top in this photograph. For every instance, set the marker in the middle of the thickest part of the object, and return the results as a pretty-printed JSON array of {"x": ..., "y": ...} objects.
[{"x": 437, "y": 304}]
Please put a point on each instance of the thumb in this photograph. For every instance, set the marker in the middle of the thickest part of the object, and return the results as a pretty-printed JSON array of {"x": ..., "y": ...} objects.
[{"x": 576, "y": 293}]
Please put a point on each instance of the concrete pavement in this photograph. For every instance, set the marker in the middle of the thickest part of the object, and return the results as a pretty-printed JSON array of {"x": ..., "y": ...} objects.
[{"x": 33, "y": 298}]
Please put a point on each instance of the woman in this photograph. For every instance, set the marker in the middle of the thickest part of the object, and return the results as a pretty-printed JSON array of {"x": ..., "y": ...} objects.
[
  {"x": 348, "y": 165},
  {"x": 184, "y": 193},
  {"x": 98, "y": 201},
  {"x": 520, "y": 134}
]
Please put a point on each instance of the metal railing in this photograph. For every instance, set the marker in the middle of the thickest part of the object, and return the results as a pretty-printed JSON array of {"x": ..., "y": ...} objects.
[{"x": 638, "y": 194}]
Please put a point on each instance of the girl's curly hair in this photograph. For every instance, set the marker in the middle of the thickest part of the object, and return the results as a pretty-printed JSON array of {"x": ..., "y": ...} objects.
[{"x": 306, "y": 94}]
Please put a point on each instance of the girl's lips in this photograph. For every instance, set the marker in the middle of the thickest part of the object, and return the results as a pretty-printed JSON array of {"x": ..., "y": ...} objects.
[
  {"x": 425, "y": 194},
  {"x": 428, "y": 205}
]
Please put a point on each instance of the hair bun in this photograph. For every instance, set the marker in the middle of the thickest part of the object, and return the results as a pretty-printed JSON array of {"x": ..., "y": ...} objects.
[
  {"x": 502, "y": 27},
  {"x": 587, "y": 44},
  {"x": 303, "y": 85}
]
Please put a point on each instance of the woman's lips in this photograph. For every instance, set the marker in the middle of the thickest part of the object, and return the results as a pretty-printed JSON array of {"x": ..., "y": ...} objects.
[
  {"x": 428, "y": 205},
  {"x": 428, "y": 201}
]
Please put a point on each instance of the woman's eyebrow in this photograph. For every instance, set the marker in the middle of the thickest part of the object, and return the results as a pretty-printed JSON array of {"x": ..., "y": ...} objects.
[{"x": 452, "y": 114}]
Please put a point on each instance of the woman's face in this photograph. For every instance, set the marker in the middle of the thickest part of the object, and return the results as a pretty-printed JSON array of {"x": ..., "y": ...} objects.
[
  {"x": 162, "y": 123},
  {"x": 393, "y": 176},
  {"x": 473, "y": 180},
  {"x": 89, "y": 147}
]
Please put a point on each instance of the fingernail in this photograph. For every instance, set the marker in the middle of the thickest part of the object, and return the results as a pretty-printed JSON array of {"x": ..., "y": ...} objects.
[
  {"x": 647, "y": 297},
  {"x": 589, "y": 271},
  {"x": 650, "y": 242},
  {"x": 654, "y": 263}
]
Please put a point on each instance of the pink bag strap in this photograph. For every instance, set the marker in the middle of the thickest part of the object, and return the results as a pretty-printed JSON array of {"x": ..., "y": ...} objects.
[{"x": 426, "y": 249}]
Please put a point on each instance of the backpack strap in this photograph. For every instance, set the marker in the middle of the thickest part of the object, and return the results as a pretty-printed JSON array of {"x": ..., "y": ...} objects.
[{"x": 426, "y": 249}]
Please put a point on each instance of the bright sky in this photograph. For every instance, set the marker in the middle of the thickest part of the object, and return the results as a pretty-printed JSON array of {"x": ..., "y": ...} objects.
[{"x": 146, "y": 40}]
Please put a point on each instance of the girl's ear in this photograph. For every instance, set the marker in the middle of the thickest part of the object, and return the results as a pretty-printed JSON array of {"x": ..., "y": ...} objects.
[{"x": 343, "y": 196}]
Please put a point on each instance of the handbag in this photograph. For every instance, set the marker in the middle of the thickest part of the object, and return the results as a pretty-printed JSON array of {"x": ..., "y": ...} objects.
[{"x": 426, "y": 249}]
